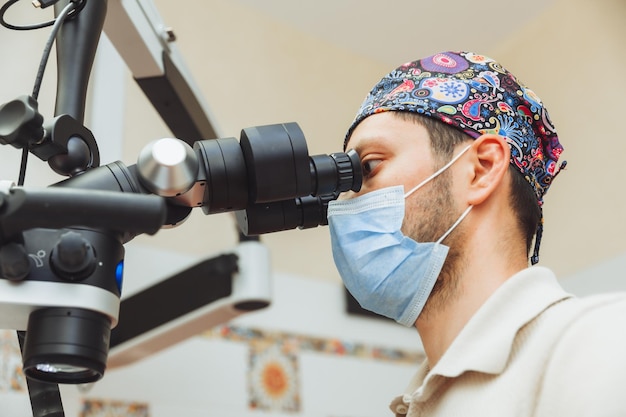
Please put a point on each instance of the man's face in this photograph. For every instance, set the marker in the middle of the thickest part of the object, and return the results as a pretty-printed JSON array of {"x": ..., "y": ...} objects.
[{"x": 395, "y": 151}]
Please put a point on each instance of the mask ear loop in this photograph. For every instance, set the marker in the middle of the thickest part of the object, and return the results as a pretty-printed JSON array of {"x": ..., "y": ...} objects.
[
  {"x": 456, "y": 223},
  {"x": 439, "y": 171},
  {"x": 534, "y": 259}
]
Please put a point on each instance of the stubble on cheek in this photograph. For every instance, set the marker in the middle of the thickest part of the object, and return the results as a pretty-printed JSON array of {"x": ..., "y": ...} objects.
[
  {"x": 429, "y": 211},
  {"x": 429, "y": 214}
]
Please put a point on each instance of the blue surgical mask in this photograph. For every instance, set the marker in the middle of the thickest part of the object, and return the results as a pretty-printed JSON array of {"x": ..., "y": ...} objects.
[{"x": 386, "y": 272}]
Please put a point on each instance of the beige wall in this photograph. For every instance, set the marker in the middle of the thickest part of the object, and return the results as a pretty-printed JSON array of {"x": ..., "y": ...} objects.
[{"x": 574, "y": 57}]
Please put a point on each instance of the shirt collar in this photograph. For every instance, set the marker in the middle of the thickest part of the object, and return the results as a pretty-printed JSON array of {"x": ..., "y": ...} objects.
[{"x": 515, "y": 303}]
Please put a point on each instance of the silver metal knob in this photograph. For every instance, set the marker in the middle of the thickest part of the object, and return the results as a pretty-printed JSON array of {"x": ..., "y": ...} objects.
[{"x": 168, "y": 167}]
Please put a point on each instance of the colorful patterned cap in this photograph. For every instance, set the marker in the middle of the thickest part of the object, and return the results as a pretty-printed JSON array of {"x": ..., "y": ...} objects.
[{"x": 477, "y": 95}]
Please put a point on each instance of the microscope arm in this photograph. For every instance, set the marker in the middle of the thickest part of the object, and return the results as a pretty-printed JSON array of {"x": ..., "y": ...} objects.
[{"x": 147, "y": 47}]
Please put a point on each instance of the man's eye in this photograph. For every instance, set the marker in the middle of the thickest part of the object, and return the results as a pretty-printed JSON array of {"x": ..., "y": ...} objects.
[{"x": 369, "y": 166}]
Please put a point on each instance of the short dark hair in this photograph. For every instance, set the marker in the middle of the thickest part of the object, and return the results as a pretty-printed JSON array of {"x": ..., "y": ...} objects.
[{"x": 523, "y": 200}]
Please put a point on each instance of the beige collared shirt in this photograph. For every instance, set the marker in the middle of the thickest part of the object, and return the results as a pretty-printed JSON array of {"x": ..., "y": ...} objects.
[{"x": 530, "y": 350}]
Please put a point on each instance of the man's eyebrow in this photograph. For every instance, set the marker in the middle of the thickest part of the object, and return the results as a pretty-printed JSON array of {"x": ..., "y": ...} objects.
[{"x": 366, "y": 142}]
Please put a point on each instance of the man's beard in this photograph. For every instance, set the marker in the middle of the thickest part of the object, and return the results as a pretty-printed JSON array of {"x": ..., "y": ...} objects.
[{"x": 429, "y": 215}]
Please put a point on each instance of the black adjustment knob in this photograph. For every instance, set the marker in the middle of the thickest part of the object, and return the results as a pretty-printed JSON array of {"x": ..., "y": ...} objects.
[
  {"x": 20, "y": 123},
  {"x": 73, "y": 258},
  {"x": 14, "y": 263}
]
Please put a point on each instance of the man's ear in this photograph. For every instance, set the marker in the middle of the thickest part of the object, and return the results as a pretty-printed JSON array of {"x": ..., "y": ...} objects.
[{"x": 489, "y": 165}]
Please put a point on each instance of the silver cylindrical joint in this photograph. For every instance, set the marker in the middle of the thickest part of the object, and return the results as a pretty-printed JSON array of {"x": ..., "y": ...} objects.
[{"x": 168, "y": 167}]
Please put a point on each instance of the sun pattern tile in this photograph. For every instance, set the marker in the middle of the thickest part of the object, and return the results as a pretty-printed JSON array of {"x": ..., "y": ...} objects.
[{"x": 273, "y": 380}]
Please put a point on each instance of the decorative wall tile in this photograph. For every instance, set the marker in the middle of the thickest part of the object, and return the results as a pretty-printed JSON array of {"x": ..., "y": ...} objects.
[
  {"x": 110, "y": 408},
  {"x": 273, "y": 372},
  {"x": 11, "y": 375},
  {"x": 330, "y": 346},
  {"x": 273, "y": 379}
]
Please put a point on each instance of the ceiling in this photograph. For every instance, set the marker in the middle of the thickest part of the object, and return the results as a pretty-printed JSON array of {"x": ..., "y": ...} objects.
[{"x": 379, "y": 30}]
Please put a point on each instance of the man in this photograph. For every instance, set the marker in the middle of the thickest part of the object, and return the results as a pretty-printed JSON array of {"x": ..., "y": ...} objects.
[{"x": 457, "y": 156}]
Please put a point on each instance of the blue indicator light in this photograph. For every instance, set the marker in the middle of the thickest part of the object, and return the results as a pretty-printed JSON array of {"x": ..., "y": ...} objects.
[{"x": 119, "y": 275}]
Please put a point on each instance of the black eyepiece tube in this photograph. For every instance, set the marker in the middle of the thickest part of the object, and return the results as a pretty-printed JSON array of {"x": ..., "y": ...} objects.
[
  {"x": 277, "y": 161},
  {"x": 336, "y": 173},
  {"x": 223, "y": 166},
  {"x": 270, "y": 164},
  {"x": 302, "y": 212}
]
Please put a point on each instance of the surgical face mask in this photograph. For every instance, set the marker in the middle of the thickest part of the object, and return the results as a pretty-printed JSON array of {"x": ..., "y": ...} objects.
[{"x": 386, "y": 272}]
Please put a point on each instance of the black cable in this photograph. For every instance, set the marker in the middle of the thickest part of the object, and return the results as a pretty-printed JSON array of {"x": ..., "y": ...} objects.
[
  {"x": 9, "y": 3},
  {"x": 58, "y": 22},
  {"x": 23, "y": 163}
]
